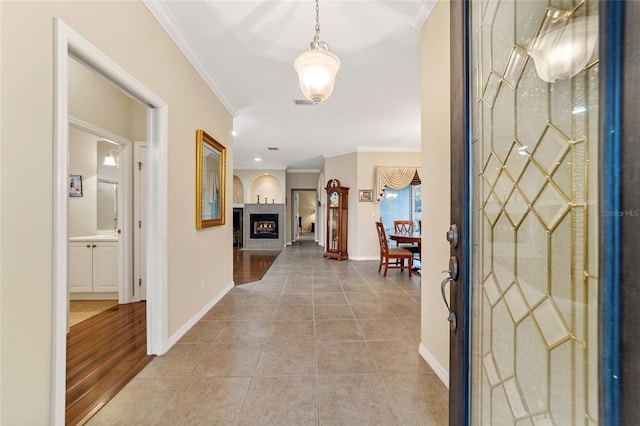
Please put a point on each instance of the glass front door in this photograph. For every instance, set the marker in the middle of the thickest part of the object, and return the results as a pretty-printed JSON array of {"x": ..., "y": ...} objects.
[{"x": 534, "y": 222}]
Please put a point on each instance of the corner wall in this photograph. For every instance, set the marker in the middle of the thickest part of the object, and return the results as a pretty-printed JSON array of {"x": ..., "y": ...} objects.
[
  {"x": 435, "y": 87},
  {"x": 199, "y": 261}
]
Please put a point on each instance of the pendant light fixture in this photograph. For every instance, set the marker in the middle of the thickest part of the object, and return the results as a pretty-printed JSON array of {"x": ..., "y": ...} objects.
[
  {"x": 110, "y": 160},
  {"x": 317, "y": 67}
]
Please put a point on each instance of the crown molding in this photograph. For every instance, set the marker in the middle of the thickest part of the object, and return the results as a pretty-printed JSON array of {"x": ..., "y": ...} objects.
[
  {"x": 303, "y": 170},
  {"x": 164, "y": 16},
  {"x": 420, "y": 13}
]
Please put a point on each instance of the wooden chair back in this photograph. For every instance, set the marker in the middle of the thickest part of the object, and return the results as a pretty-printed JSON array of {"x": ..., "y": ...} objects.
[
  {"x": 382, "y": 239},
  {"x": 387, "y": 255},
  {"x": 405, "y": 226}
]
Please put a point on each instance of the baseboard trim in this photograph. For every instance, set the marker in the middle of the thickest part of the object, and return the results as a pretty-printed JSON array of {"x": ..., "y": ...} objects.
[
  {"x": 437, "y": 368},
  {"x": 364, "y": 257},
  {"x": 197, "y": 317}
]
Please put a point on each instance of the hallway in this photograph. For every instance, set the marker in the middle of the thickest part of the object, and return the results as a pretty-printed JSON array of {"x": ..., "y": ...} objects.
[{"x": 316, "y": 341}]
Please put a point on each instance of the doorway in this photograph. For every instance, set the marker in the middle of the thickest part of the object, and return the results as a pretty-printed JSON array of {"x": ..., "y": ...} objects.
[
  {"x": 69, "y": 43},
  {"x": 305, "y": 213}
]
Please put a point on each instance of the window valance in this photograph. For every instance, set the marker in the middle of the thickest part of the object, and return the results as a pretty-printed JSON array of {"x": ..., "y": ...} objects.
[{"x": 396, "y": 178}]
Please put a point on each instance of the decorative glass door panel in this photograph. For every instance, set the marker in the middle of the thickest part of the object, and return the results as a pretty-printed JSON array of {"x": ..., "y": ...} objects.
[{"x": 534, "y": 217}]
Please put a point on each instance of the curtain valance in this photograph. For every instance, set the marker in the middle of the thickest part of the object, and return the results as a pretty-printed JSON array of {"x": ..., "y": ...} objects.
[{"x": 395, "y": 178}]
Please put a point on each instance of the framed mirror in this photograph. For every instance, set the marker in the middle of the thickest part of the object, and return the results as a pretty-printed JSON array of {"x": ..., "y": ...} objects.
[{"x": 210, "y": 181}]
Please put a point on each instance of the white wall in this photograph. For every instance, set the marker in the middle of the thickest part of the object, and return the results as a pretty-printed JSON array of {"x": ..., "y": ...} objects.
[
  {"x": 129, "y": 35},
  {"x": 83, "y": 157},
  {"x": 435, "y": 86}
]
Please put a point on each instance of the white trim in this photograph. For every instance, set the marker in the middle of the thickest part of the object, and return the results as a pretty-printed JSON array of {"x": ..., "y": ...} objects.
[
  {"x": 197, "y": 317},
  {"x": 373, "y": 149},
  {"x": 164, "y": 16},
  {"x": 420, "y": 13},
  {"x": 437, "y": 368},
  {"x": 303, "y": 171},
  {"x": 364, "y": 257},
  {"x": 68, "y": 42}
]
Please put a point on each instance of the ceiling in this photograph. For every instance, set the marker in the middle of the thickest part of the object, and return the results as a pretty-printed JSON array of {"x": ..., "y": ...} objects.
[{"x": 244, "y": 50}]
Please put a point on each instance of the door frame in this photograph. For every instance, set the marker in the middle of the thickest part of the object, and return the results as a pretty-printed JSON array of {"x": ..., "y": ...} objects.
[
  {"x": 619, "y": 336},
  {"x": 460, "y": 290},
  {"x": 139, "y": 292},
  {"x": 68, "y": 43},
  {"x": 619, "y": 221},
  {"x": 125, "y": 256}
]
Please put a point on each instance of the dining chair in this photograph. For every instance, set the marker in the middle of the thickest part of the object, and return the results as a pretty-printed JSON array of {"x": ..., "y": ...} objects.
[
  {"x": 403, "y": 226},
  {"x": 392, "y": 257},
  {"x": 406, "y": 226}
]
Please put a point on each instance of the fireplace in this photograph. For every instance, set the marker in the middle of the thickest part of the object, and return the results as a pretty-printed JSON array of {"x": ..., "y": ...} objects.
[{"x": 264, "y": 226}]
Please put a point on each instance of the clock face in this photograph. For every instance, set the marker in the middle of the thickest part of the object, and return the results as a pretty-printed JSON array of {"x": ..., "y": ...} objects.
[{"x": 333, "y": 199}]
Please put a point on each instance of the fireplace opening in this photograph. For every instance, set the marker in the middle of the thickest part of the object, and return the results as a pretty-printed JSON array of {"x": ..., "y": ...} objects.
[{"x": 263, "y": 226}]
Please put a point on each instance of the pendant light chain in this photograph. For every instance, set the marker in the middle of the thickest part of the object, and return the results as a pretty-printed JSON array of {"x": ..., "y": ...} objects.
[{"x": 317, "y": 37}]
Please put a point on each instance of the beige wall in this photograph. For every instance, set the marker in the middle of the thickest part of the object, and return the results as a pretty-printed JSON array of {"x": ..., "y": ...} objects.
[
  {"x": 129, "y": 35},
  {"x": 249, "y": 177},
  {"x": 83, "y": 159},
  {"x": 307, "y": 210},
  {"x": 358, "y": 171},
  {"x": 366, "y": 245},
  {"x": 95, "y": 100},
  {"x": 435, "y": 82},
  {"x": 238, "y": 191},
  {"x": 345, "y": 169}
]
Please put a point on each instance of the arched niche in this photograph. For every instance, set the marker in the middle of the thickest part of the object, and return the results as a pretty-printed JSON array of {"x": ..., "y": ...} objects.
[
  {"x": 266, "y": 185},
  {"x": 238, "y": 191}
]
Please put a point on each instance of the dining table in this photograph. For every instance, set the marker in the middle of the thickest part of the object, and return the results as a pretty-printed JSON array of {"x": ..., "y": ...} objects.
[{"x": 408, "y": 238}]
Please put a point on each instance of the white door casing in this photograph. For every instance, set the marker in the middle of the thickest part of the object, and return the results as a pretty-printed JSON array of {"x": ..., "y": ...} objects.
[{"x": 68, "y": 42}]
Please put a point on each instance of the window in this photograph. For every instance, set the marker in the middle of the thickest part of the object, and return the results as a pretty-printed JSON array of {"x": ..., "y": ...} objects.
[{"x": 402, "y": 204}]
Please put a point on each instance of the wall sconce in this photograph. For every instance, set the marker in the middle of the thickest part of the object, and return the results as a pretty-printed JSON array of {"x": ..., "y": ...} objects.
[
  {"x": 564, "y": 44},
  {"x": 110, "y": 160}
]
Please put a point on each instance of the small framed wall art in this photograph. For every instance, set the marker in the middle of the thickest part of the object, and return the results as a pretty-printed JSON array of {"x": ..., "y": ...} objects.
[
  {"x": 365, "y": 195},
  {"x": 75, "y": 185}
]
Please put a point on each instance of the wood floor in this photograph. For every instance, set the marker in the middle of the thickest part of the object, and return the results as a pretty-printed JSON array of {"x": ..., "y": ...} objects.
[
  {"x": 104, "y": 353},
  {"x": 251, "y": 265}
]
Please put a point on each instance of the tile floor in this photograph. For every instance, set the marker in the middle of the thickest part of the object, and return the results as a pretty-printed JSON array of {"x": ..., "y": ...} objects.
[{"x": 314, "y": 342}]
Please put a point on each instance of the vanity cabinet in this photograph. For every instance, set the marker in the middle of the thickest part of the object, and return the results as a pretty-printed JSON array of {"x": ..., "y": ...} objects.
[
  {"x": 93, "y": 266},
  {"x": 337, "y": 215}
]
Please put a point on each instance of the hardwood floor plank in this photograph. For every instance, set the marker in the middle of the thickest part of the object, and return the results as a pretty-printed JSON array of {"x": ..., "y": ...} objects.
[
  {"x": 251, "y": 265},
  {"x": 104, "y": 353}
]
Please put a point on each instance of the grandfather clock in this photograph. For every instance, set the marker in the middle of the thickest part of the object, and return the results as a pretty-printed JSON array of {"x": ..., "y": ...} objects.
[{"x": 337, "y": 215}]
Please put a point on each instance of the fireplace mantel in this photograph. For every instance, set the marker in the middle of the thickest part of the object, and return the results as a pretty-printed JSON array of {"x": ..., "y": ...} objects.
[{"x": 263, "y": 209}]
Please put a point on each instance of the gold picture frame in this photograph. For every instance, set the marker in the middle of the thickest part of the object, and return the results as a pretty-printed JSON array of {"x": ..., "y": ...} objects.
[
  {"x": 365, "y": 195},
  {"x": 210, "y": 181}
]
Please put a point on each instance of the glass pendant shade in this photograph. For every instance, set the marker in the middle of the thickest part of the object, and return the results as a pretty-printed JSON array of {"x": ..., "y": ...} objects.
[
  {"x": 564, "y": 45},
  {"x": 109, "y": 160},
  {"x": 317, "y": 69}
]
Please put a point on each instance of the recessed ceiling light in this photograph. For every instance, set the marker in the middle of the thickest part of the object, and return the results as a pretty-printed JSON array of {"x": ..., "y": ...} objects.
[
  {"x": 272, "y": 148},
  {"x": 234, "y": 133},
  {"x": 257, "y": 159}
]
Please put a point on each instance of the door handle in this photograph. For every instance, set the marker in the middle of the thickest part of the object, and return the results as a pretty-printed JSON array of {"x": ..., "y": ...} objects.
[{"x": 452, "y": 315}]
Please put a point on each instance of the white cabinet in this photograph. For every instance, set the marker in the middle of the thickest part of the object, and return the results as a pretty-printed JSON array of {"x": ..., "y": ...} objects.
[{"x": 93, "y": 266}]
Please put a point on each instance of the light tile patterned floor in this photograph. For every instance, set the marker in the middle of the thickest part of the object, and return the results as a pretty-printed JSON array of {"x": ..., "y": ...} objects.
[{"x": 314, "y": 342}]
